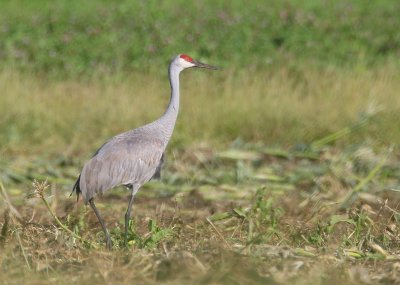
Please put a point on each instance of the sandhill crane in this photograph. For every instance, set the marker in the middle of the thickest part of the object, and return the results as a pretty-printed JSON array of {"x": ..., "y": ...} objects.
[{"x": 136, "y": 156}]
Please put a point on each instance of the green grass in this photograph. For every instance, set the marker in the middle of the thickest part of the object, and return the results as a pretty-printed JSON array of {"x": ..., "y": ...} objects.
[{"x": 71, "y": 38}]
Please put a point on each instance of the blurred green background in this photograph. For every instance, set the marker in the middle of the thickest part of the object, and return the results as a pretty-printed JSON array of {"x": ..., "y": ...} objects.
[{"x": 70, "y": 38}]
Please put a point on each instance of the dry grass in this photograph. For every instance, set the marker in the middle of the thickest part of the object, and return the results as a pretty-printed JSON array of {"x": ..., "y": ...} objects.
[
  {"x": 234, "y": 217},
  {"x": 283, "y": 107}
]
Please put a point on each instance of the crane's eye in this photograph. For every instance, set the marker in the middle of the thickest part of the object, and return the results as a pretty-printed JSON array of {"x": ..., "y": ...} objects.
[{"x": 186, "y": 57}]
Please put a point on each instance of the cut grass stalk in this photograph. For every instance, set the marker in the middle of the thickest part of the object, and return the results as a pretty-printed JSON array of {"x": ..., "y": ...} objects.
[
  {"x": 218, "y": 232},
  {"x": 318, "y": 144},
  {"x": 13, "y": 211},
  {"x": 281, "y": 153},
  {"x": 5, "y": 228},
  {"x": 377, "y": 248},
  {"x": 350, "y": 198},
  {"x": 303, "y": 252},
  {"x": 23, "y": 250},
  {"x": 39, "y": 189}
]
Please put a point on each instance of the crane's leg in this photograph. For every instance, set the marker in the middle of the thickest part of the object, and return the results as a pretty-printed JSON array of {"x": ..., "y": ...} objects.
[
  {"x": 103, "y": 225},
  {"x": 128, "y": 212},
  {"x": 134, "y": 188}
]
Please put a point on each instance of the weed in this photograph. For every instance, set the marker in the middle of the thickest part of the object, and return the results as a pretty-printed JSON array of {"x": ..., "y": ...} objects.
[
  {"x": 263, "y": 218},
  {"x": 39, "y": 189},
  {"x": 150, "y": 240}
]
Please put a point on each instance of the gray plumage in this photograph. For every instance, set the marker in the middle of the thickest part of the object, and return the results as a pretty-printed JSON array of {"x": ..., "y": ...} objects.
[
  {"x": 134, "y": 157},
  {"x": 131, "y": 158}
]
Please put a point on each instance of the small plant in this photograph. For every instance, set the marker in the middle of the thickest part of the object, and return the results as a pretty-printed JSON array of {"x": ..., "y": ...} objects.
[
  {"x": 156, "y": 235},
  {"x": 39, "y": 189},
  {"x": 150, "y": 240},
  {"x": 263, "y": 217}
]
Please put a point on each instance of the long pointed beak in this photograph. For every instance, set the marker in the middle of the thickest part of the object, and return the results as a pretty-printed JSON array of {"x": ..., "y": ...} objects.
[{"x": 203, "y": 65}]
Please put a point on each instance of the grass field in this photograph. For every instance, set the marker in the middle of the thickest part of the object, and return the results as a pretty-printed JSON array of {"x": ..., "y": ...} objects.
[
  {"x": 71, "y": 38},
  {"x": 275, "y": 107},
  {"x": 283, "y": 167}
]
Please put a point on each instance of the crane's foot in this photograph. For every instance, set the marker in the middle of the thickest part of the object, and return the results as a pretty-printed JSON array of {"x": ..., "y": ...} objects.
[
  {"x": 126, "y": 239},
  {"x": 128, "y": 213},
  {"x": 127, "y": 219},
  {"x": 126, "y": 233},
  {"x": 108, "y": 242}
]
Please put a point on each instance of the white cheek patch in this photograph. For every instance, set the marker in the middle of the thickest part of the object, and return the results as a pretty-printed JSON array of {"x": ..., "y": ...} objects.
[{"x": 185, "y": 64}]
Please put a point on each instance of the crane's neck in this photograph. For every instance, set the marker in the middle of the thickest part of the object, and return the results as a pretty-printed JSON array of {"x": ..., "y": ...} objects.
[
  {"x": 168, "y": 120},
  {"x": 173, "y": 106}
]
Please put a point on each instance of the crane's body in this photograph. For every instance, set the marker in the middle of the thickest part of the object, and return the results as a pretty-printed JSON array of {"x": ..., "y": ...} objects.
[
  {"x": 139, "y": 154},
  {"x": 134, "y": 157}
]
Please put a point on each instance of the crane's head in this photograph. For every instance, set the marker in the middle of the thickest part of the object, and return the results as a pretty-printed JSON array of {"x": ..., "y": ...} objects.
[{"x": 184, "y": 61}]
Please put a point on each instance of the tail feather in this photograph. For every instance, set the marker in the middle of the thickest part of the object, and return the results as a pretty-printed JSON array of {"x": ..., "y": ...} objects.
[{"x": 76, "y": 188}]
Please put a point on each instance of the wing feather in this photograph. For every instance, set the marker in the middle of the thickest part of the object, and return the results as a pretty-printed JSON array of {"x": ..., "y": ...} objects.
[{"x": 123, "y": 160}]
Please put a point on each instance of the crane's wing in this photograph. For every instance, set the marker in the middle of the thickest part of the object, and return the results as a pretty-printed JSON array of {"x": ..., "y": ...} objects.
[
  {"x": 157, "y": 174},
  {"x": 122, "y": 160}
]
